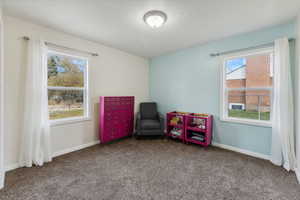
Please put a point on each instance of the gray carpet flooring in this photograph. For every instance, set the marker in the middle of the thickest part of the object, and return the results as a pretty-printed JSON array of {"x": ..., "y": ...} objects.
[{"x": 152, "y": 169}]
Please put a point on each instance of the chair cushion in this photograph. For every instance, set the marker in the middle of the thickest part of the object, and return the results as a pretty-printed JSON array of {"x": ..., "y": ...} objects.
[
  {"x": 148, "y": 110},
  {"x": 150, "y": 124}
]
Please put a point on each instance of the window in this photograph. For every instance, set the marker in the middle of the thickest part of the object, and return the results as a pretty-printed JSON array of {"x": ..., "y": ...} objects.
[
  {"x": 247, "y": 86},
  {"x": 67, "y": 87}
]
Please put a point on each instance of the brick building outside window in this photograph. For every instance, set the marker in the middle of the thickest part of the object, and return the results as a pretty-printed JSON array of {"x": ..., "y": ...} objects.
[{"x": 249, "y": 82}]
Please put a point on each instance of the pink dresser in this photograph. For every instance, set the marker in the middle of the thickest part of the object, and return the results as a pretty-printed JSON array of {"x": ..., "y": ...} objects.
[{"x": 116, "y": 117}]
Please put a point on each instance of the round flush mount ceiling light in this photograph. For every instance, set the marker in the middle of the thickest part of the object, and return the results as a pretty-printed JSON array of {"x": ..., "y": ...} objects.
[{"x": 155, "y": 18}]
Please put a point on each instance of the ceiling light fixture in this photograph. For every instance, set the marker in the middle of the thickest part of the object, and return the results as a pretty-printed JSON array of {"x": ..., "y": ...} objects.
[{"x": 155, "y": 18}]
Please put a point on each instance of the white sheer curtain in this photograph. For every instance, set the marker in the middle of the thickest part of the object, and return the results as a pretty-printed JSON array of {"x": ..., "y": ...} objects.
[
  {"x": 35, "y": 148},
  {"x": 2, "y": 173},
  {"x": 283, "y": 140}
]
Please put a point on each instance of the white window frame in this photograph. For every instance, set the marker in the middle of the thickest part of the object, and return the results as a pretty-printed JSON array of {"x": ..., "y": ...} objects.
[
  {"x": 85, "y": 89},
  {"x": 224, "y": 92}
]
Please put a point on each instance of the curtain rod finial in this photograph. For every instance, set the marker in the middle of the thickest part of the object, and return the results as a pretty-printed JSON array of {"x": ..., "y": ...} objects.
[{"x": 214, "y": 54}]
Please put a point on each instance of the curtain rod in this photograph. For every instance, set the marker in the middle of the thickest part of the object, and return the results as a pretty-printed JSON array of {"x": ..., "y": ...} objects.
[
  {"x": 67, "y": 48},
  {"x": 244, "y": 49}
]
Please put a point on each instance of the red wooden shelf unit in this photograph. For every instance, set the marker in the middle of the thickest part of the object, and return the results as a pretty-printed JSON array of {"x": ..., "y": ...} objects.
[
  {"x": 190, "y": 127},
  {"x": 198, "y": 129},
  {"x": 176, "y": 125},
  {"x": 116, "y": 117}
]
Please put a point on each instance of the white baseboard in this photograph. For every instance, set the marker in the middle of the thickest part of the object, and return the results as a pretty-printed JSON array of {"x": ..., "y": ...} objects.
[
  {"x": 69, "y": 150},
  {"x": 297, "y": 171},
  {"x": 11, "y": 167},
  {"x": 1, "y": 180},
  {"x": 249, "y": 153},
  {"x": 56, "y": 154}
]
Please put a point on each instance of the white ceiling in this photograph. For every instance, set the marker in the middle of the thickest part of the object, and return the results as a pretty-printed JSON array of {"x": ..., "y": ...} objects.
[{"x": 119, "y": 23}]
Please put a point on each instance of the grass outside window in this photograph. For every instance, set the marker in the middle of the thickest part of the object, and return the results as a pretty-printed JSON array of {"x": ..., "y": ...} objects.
[
  {"x": 66, "y": 114},
  {"x": 249, "y": 114}
]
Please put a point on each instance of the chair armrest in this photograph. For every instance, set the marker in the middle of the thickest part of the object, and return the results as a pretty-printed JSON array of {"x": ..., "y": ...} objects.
[
  {"x": 161, "y": 120},
  {"x": 138, "y": 116},
  {"x": 138, "y": 121}
]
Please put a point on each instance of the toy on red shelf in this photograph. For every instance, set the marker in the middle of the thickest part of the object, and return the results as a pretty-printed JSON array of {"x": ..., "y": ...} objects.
[
  {"x": 176, "y": 132},
  {"x": 176, "y": 120},
  {"x": 198, "y": 122}
]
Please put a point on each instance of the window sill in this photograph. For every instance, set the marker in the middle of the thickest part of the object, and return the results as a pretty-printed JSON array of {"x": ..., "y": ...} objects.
[
  {"x": 247, "y": 122},
  {"x": 61, "y": 122}
]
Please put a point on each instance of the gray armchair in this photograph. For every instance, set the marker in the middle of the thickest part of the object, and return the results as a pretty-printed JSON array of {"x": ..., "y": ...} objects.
[{"x": 149, "y": 122}]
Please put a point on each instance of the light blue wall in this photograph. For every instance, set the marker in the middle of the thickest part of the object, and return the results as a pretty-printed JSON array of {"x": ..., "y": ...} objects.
[{"x": 188, "y": 80}]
